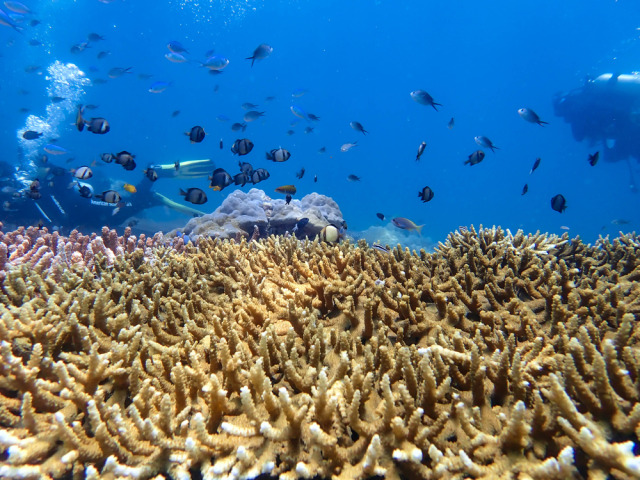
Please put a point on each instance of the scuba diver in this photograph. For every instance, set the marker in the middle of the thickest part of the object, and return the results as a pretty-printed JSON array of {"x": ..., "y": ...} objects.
[
  {"x": 605, "y": 111},
  {"x": 57, "y": 199}
]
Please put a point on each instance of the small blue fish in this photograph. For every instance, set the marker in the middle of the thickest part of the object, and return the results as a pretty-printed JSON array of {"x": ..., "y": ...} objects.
[
  {"x": 216, "y": 62},
  {"x": 159, "y": 87},
  {"x": 175, "y": 57},
  {"x": 423, "y": 98},
  {"x": 52, "y": 149},
  {"x": 299, "y": 112}
]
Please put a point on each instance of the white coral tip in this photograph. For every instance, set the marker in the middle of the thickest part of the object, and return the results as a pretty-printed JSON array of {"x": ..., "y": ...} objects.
[
  {"x": 265, "y": 427},
  {"x": 416, "y": 455},
  {"x": 303, "y": 470}
]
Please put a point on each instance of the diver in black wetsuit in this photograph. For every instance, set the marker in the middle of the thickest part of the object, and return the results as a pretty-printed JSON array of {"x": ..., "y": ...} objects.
[
  {"x": 606, "y": 112},
  {"x": 58, "y": 203}
]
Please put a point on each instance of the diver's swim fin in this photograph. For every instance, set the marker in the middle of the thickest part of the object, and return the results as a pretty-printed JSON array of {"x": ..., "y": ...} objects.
[
  {"x": 186, "y": 169},
  {"x": 178, "y": 206}
]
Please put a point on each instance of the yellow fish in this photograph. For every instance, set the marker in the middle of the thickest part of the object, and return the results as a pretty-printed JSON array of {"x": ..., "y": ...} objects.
[{"x": 129, "y": 188}]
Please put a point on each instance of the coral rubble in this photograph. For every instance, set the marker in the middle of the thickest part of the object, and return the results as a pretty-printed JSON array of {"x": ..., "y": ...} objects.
[{"x": 498, "y": 356}]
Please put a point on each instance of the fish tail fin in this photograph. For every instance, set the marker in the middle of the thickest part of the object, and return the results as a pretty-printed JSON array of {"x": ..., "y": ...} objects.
[
  {"x": 419, "y": 229},
  {"x": 434, "y": 105},
  {"x": 183, "y": 193},
  {"x": 542, "y": 123}
]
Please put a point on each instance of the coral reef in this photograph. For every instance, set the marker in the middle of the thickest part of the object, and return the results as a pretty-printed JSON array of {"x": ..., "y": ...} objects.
[
  {"x": 49, "y": 252},
  {"x": 498, "y": 356},
  {"x": 240, "y": 212}
]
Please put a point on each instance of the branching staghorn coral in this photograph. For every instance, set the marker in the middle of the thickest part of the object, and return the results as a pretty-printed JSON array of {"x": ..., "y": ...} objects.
[{"x": 498, "y": 356}]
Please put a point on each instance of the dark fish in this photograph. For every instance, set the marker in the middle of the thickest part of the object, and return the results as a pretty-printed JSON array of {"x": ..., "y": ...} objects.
[
  {"x": 278, "y": 155},
  {"x": 262, "y": 51},
  {"x": 300, "y": 174},
  {"x": 98, "y": 125},
  {"x": 301, "y": 224},
  {"x": 80, "y": 119},
  {"x": 308, "y": 130},
  {"x": 236, "y": 127},
  {"x": 220, "y": 179},
  {"x": 322, "y": 149},
  {"x": 118, "y": 72},
  {"x": 176, "y": 47},
  {"x": 423, "y": 98},
  {"x": 290, "y": 132},
  {"x": 58, "y": 171},
  {"x": 426, "y": 194},
  {"x": 252, "y": 115},
  {"x": 620, "y": 221},
  {"x": 451, "y": 123},
  {"x": 242, "y": 146},
  {"x": 485, "y": 142},
  {"x": 57, "y": 99},
  {"x": 313, "y": 117},
  {"x": 34, "y": 42},
  {"x": 593, "y": 159},
  {"x": 380, "y": 216},
  {"x": 103, "y": 54},
  {"x": 241, "y": 179},
  {"x": 536, "y": 164},
  {"x": 246, "y": 168},
  {"x": 145, "y": 76},
  {"x": 475, "y": 158},
  {"x": 94, "y": 37},
  {"x": 31, "y": 135},
  {"x": 107, "y": 157},
  {"x": 290, "y": 189},
  {"x": 196, "y": 135},
  {"x": 175, "y": 113},
  {"x": 125, "y": 159},
  {"x": 32, "y": 68},
  {"x": 259, "y": 175},
  {"x": 531, "y": 116},
  {"x": 194, "y": 195},
  {"x": 34, "y": 185},
  {"x": 109, "y": 196},
  {"x": 221, "y": 144},
  {"x": 176, "y": 165},
  {"x": 79, "y": 47},
  {"x": 357, "y": 126},
  {"x": 558, "y": 203},
  {"x": 525, "y": 189},
  {"x": 151, "y": 174},
  {"x": 249, "y": 106},
  {"x": 353, "y": 178},
  {"x": 85, "y": 191},
  {"x": 315, "y": 178},
  {"x": 287, "y": 199},
  {"x": 421, "y": 148}
]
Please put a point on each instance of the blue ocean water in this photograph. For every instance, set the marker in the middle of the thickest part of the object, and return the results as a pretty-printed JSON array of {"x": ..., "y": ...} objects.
[{"x": 344, "y": 62}]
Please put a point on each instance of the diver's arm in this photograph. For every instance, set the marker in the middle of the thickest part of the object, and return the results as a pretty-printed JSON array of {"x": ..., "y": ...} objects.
[{"x": 187, "y": 169}]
